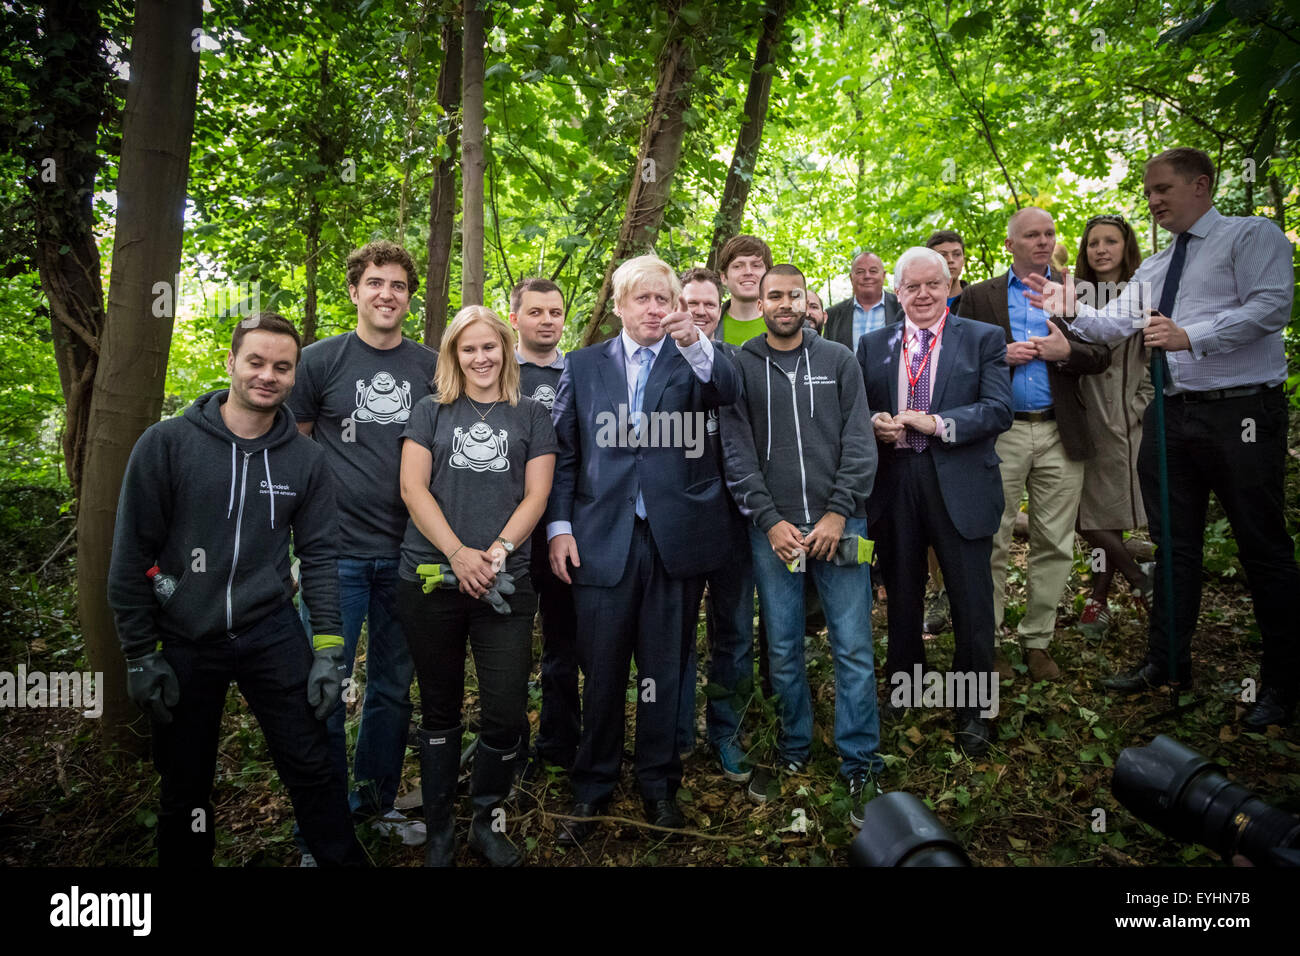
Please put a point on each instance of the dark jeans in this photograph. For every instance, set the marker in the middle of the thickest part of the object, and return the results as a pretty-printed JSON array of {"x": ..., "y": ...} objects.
[
  {"x": 559, "y": 724},
  {"x": 368, "y": 594},
  {"x": 1235, "y": 447},
  {"x": 436, "y": 627},
  {"x": 270, "y": 662},
  {"x": 729, "y": 626},
  {"x": 651, "y": 615}
]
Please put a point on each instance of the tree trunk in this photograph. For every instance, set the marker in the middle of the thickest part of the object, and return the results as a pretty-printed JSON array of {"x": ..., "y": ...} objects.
[
  {"x": 312, "y": 265},
  {"x": 157, "y": 130},
  {"x": 657, "y": 157},
  {"x": 62, "y": 190},
  {"x": 442, "y": 197},
  {"x": 741, "y": 174},
  {"x": 412, "y": 119},
  {"x": 472, "y": 160}
]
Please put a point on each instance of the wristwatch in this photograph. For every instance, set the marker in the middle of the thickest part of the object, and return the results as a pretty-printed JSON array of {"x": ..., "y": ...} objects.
[{"x": 510, "y": 548}]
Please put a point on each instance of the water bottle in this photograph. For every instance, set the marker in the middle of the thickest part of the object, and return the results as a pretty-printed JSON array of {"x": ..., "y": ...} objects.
[{"x": 164, "y": 585}]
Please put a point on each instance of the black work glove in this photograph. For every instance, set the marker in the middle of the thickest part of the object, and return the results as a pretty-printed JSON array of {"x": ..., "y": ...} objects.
[
  {"x": 152, "y": 684},
  {"x": 328, "y": 669}
]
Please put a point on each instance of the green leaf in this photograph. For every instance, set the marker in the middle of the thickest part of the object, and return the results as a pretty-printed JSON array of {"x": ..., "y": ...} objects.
[
  {"x": 972, "y": 26},
  {"x": 1209, "y": 21}
]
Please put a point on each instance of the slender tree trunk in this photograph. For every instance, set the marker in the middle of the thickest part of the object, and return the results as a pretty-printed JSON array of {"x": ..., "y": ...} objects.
[
  {"x": 741, "y": 174},
  {"x": 62, "y": 189},
  {"x": 473, "y": 161},
  {"x": 442, "y": 196},
  {"x": 157, "y": 130},
  {"x": 312, "y": 265},
  {"x": 412, "y": 118},
  {"x": 1278, "y": 196},
  {"x": 657, "y": 158}
]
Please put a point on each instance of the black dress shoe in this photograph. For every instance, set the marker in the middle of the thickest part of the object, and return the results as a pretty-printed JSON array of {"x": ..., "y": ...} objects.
[
  {"x": 973, "y": 737},
  {"x": 573, "y": 832},
  {"x": 664, "y": 813},
  {"x": 1272, "y": 707},
  {"x": 1145, "y": 678},
  {"x": 891, "y": 716}
]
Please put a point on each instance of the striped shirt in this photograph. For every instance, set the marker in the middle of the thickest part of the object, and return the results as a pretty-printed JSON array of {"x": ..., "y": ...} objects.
[{"x": 1234, "y": 299}]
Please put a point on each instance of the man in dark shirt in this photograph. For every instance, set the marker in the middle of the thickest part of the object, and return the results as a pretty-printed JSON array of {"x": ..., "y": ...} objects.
[
  {"x": 537, "y": 314},
  {"x": 729, "y": 609},
  {"x": 354, "y": 395},
  {"x": 210, "y": 498}
]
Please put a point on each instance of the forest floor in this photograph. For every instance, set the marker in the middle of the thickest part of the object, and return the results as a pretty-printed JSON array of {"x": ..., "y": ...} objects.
[{"x": 1041, "y": 797}]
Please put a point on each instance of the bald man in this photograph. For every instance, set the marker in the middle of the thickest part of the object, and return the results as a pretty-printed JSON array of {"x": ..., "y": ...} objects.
[{"x": 1048, "y": 441}]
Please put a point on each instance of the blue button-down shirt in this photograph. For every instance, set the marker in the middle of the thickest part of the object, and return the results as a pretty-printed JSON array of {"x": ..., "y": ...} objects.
[
  {"x": 1030, "y": 389},
  {"x": 868, "y": 320}
]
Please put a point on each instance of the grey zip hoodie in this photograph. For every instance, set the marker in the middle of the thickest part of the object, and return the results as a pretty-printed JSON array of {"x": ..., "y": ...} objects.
[
  {"x": 796, "y": 451},
  {"x": 215, "y": 511}
]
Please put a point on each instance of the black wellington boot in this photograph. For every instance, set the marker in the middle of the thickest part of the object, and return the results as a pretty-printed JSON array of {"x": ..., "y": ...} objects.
[
  {"x": 439, "y": 768},
  {"x": 494, "y": 772}
]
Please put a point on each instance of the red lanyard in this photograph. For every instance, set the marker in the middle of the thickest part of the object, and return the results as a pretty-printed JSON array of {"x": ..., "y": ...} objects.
[{"x": 907, "y": 362}]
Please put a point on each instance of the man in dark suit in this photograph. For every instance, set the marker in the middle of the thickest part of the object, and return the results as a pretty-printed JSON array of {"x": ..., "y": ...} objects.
[
  {"x": 633, "y": 521},
  {"x": 870, "y": 308},
  {"x": 937, "y": 482},
  {"x": 1048, "y": 441},
  {"x": 729, "y": 608}
]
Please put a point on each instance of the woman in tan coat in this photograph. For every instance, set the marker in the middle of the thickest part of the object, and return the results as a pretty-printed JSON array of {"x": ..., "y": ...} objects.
[{"x": 1111, "y": 501}]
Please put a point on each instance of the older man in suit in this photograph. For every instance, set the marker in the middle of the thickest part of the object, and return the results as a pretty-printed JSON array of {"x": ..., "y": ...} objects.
[
  {"x": 636, "y": 510},
  {"x": 1047, "y": 444},
  {"x": 940, "y": 386},
  {"x": 870, "y": 308}
]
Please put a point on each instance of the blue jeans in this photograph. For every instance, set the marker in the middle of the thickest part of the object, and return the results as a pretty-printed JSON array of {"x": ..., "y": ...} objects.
[
  {"x": 846, "y": 599},
  {"x": 729, "y": 613},
  {"x": 368, "y": 591}
]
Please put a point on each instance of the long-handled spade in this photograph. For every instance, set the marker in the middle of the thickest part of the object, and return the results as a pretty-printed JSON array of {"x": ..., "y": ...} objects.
[{"x": 1166, "y": 542}]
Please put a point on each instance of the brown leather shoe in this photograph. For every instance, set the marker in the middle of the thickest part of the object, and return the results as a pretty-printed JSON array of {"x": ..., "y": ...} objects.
[
  {"x": 1041, "y": 665},
  {"x": 1002, "y": 665}
]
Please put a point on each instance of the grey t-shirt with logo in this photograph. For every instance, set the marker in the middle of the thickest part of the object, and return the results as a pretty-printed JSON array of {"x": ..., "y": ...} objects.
[
  {"x": 360, "y": 399},
  {"x": 540, "y": 383},
  {"x": 479, "y": 459}
]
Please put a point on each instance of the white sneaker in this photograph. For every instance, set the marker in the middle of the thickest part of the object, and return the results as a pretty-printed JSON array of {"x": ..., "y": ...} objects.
[{"x": 412, "y": 832}]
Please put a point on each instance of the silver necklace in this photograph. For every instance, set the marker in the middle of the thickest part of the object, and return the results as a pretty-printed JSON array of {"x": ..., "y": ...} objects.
[{"x": 482, "y": 416}]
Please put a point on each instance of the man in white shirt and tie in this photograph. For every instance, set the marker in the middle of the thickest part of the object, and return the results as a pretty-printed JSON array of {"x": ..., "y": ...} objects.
[{"x": 1224, "y": 289}]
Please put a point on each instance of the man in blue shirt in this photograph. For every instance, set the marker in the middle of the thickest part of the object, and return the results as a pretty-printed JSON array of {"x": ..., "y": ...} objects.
[
  {"x": 869, "y": 309},
  {"x": 1048, "y": 441}
]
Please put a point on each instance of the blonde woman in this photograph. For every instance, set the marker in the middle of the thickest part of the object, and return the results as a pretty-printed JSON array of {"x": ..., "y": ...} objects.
[{"x": 477, "y": 462}]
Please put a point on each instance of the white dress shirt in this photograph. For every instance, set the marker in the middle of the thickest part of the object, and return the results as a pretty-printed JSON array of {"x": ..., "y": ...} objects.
[
  {"x": 699, "y": 355},
  {"x": 1234, "y": 299}
]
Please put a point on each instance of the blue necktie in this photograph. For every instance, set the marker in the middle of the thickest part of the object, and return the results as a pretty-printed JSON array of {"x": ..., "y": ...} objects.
[
  {"x": 1170, "y": 291},
  {"x": 644, "y": 357},
  {"x": 1175, "y": 274}
]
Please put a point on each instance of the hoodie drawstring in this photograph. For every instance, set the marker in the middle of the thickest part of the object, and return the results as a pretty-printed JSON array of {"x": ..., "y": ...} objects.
[
  {"x": 231, "y": 506},
  {"x": 270, "y": 488},
  {"x": 812, "y": 403},
  {"x": 768, "y": 383}
]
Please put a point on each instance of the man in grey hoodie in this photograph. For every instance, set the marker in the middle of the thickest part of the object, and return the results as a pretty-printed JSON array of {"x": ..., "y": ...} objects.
[
  {"x": 200, "y": 587},
  {"x": 800, "y": 461}
]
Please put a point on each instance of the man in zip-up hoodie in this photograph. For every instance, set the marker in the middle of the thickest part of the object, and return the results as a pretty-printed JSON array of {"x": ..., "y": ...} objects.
[
  {"x": 207, "y": 504},
  {"x": 800, "y": 461}
]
